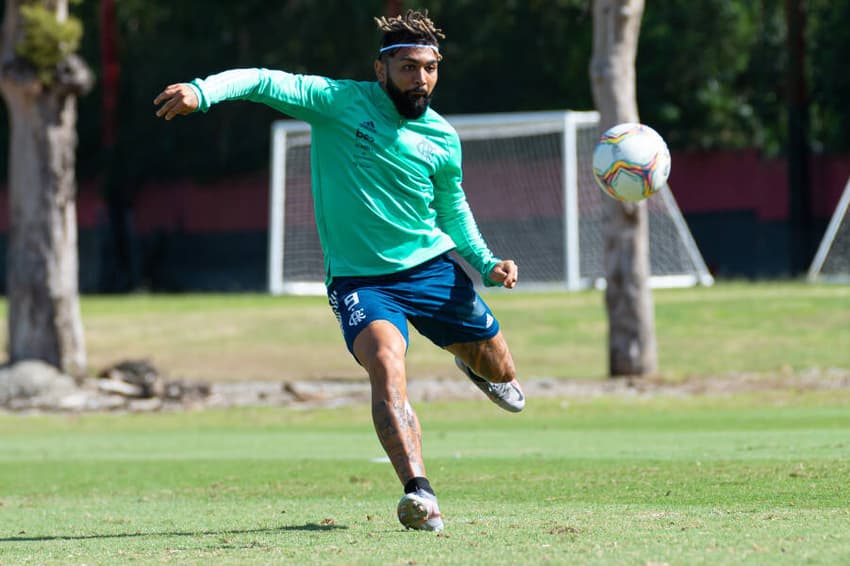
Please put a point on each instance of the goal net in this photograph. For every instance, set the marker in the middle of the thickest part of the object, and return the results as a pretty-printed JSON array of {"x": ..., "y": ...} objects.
[
  {"x": 529, "y": 181},
  {"x": 832, "y": 260}
]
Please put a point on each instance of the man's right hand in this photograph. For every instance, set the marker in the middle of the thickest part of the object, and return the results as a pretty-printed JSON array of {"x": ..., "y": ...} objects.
[{"x": 177, "y": 100}]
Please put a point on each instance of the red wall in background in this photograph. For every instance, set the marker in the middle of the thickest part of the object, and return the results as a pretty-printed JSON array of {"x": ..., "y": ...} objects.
[
  {"x": 702, "y": 183},
  {"x": 714, "y": 182},
  {"x": 232, "y": 205},
  {"x": 719, "y": 181}
]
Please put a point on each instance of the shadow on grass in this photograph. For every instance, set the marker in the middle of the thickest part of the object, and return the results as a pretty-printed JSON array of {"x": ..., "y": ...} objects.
[{"x": 304, "y": 527}]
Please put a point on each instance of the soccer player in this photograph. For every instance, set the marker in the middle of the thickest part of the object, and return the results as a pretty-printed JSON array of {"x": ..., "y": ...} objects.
[{"x": 389, "y": 205}]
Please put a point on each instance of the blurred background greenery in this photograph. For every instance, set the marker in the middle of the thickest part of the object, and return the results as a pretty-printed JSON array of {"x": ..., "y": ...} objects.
[{"x": 711, "y": 72}]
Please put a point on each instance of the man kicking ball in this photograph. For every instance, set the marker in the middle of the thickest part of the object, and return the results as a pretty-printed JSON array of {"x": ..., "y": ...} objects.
[{"x": 389, "y": 208}]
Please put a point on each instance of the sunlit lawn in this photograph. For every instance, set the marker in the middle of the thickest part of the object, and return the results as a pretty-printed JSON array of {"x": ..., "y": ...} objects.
[{"x": 744, "y": 480}]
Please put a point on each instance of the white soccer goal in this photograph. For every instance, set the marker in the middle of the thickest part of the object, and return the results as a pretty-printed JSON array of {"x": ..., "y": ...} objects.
[
  {"x": 528, "y": 179},
  {"x": 832, "y": 260}
]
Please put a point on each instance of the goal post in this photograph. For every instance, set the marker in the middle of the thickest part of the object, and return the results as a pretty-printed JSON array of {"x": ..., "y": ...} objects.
[
  {"x": 295, "y": 264},
  {"x": 832, "y": 259},
  {"x": 528, "y": 178}
]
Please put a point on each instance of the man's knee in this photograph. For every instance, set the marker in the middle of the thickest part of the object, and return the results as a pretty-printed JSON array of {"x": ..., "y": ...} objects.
[
  {"x": 385, "y": 358},
  {"x": 380, "y": 349},
  {"x": 379, "y": 343}
]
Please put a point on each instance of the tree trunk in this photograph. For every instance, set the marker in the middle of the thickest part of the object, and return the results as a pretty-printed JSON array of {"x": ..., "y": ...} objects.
[
  {"x": 42, "y": 282},
  {"x": 628, "y": 296}
]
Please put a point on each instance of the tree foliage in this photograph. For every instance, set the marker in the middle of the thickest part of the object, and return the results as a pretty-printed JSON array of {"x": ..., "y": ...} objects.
[
  {"x": 829, "y": 78},
  {"x": 710, "y": 72},
  {"x": 46, "y": 41}
]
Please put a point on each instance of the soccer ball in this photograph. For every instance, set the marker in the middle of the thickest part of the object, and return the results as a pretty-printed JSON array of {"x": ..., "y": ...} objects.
[{"x": 631, "y": 162}]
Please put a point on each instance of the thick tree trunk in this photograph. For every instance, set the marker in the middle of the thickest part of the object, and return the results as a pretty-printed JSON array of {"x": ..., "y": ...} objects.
[
  {"x": 628, "y": 296},
  {"x": 42, "y": 282}
]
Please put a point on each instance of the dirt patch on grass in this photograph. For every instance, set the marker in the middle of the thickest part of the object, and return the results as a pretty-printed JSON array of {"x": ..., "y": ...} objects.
[
  {"x": 340, "y": 392},
  {"x": 139, "y": 388}
]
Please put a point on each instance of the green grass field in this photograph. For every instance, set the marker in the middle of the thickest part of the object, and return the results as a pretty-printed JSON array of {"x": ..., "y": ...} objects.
[
  {"x": 655, "y": 481},
  {"x": 725, "y": 328},
  {"x": 733, "y": 479}
]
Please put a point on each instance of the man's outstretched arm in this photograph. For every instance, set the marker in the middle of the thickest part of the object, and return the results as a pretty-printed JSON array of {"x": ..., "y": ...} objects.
[{"x": 305, "y": 97}]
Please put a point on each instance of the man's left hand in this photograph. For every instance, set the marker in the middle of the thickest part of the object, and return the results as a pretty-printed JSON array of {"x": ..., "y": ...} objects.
[{"x": 505, "y": 272}]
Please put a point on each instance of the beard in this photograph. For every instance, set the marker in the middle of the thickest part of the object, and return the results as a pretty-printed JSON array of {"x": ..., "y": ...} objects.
[{"x": 408, "y": 103}]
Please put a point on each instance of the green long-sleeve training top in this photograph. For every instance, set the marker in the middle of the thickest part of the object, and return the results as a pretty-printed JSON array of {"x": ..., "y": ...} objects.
[{"x": 387, "y": 190}]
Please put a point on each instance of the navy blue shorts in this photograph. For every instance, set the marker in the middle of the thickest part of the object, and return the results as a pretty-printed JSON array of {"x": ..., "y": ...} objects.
[{"x": 436, "y": 297}]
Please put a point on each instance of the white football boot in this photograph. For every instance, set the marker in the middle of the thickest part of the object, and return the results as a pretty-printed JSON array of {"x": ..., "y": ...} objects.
[{"x": 418, "y": 510}]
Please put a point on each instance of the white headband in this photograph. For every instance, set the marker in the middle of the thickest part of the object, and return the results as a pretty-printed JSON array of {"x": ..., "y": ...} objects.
[{"x": 398, "y": 45}]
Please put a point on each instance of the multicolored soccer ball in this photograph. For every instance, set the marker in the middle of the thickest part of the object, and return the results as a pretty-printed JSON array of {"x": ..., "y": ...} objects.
[{"x": 631, "y": 162}]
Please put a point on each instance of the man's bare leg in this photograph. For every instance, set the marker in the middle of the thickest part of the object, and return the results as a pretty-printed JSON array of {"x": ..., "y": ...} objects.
[{"x": 380, "y": 348}]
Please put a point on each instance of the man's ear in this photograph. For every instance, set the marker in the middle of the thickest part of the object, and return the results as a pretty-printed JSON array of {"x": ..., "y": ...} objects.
[{"x": 381, "y": 72}]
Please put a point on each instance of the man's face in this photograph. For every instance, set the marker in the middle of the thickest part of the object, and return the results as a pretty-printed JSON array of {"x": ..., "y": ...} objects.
[{"x": 409, "y": 77}]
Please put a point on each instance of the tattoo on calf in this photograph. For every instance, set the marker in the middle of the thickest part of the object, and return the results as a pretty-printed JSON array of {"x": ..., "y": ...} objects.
[{"x": 400, "y": 435}]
